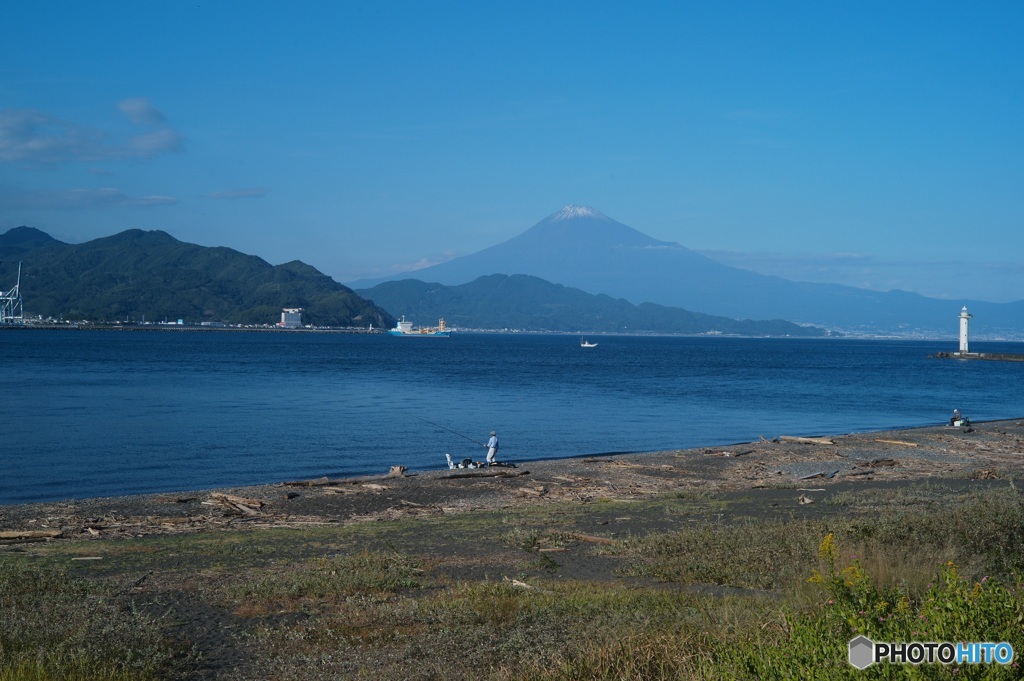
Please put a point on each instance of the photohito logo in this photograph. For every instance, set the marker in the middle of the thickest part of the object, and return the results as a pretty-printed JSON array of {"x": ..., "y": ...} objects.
[{"x": 863, "y": 652}]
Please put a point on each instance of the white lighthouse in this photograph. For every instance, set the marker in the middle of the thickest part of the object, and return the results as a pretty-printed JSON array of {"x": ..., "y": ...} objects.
[{"x": 964, "y": 317}]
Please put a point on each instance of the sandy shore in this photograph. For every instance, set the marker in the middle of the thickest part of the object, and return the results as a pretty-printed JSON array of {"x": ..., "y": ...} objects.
[{"x": 785, "y": 468}]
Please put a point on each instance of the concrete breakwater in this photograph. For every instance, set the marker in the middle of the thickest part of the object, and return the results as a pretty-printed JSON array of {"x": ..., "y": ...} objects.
[{"x": 993, "y": 356}]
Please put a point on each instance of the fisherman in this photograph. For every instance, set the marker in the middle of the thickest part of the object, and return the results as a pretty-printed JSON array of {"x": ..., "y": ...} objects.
[
  {"x": 492, "y": 448},
  {"x": 956, "y": 417}
]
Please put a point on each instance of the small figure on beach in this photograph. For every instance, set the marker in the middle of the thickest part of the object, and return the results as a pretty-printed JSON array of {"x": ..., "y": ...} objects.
[
  {"x": 492, "y": 448},
  {"x": 954, "y": 418}
]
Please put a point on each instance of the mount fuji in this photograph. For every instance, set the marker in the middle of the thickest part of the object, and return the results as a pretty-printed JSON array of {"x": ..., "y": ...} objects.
[{"x": 580, "y": 247}]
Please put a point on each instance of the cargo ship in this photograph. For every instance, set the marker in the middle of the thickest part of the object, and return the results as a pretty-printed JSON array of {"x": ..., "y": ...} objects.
[{"x": 405, "y": 328}]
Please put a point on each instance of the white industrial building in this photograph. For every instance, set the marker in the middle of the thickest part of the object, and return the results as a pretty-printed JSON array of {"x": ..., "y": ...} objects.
[{"x": 291, "y": 318}]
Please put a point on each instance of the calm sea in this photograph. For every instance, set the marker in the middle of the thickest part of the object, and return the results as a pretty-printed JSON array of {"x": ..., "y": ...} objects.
[{"x": 91, "y": 413}]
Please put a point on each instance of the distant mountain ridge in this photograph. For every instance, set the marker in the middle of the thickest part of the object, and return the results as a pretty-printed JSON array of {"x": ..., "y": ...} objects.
[
  {"x": 521, "y": 301},
  {"x": 582, "y": 248},
  {"x": 141, "y": 275},
  {"x": 150, "y": 275}
]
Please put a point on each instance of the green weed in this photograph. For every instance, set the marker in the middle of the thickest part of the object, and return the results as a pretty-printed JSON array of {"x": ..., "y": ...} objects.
[
  {"x": 323, "y": 580},
  {"x": 53, "y": 626},
  {"x": 812, "y": 643}
]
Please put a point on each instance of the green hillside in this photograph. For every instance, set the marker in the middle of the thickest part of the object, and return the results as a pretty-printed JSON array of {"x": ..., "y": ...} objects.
[
  {"x": 150, "y": 275},
  {"x": 519, "y": 301}
]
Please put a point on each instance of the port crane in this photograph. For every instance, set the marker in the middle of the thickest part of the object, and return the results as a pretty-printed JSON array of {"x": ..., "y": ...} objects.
[{"x": 12, "y": 310}]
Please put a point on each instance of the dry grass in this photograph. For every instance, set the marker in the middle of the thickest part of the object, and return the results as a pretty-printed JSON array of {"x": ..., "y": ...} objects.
[{"x": 428, "y": 598}]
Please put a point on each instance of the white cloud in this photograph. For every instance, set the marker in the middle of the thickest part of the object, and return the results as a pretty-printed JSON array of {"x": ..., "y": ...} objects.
[
  {"x": 141, "y": 112},
  {"x": 153, "y": 143},
  {"x": 27, "y": 135},
  {"x": 79, "y": 198},
  {"x": 152, "y": 200},
  {"x": 422, "y": 263},
  {"x": 34, "y": 137}
]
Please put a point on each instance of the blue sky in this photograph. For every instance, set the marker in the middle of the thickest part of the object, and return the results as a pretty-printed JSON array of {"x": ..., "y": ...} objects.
[{"x": 876, "y": 144}]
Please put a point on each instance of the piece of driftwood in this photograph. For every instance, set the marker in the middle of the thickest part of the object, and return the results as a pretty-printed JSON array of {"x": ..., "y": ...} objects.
[
  {"x": 533, "y": 491},
  {"x": 869, "y": 471},
  {"x": 484, "y": 474},
  {"x": 341, "y": 490},
  {"x": 897, "y": 442},
  {"x": 231, "y": 498},
  {"x": 322, "y": 482},
  {"x": 811, "y": 476},
  {"x": 240, "y": 504},
  {"x": 30, "y": 534},
  {"x": 807, "y": 440},
  {"x": 318, "y": 482}
]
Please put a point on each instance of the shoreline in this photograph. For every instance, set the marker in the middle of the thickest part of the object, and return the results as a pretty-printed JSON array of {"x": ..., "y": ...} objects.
[
  {"x": 936, "y": 337},
  {"x": 512, "y": 464},
  {"x": 992, "y": 450}
]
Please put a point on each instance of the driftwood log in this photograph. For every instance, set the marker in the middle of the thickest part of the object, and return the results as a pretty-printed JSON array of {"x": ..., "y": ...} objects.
[
  {"x": 26, "y": 536},
  {"x": 807, "y": 440},
  {"x": 484, "y": 474},
  {"x": 395, "y": 472},
  {"x": 233, "y": 503}
]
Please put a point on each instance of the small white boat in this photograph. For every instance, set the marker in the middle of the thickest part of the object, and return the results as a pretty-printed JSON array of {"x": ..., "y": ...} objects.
[{"x": 585, "y": 344}]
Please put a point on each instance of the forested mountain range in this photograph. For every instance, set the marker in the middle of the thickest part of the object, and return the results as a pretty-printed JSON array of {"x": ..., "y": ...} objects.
[
  {"x": 520, "y": 301},
  {"x": 149, "y": 275}
]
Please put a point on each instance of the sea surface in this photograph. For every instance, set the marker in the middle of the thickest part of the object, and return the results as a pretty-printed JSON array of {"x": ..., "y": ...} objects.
[{"x": 108, "y": 413}]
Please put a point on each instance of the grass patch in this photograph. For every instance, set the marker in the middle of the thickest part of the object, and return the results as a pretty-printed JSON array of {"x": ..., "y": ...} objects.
[
  {"x": 752, "y": 555},
  {"x": 903, "y": 495},
  {"x": 321, "y": 583},
  {"x": 983, "y": 531},
  {"x": 54, "y": 626},
  {"x": 495, "y": 630},
  {"x": 369, "y": 601},
  {"x": 811, "y": 643}
]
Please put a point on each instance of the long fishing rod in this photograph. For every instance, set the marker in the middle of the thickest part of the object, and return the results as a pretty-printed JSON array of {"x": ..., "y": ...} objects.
[{"x": 438, "y": 425}]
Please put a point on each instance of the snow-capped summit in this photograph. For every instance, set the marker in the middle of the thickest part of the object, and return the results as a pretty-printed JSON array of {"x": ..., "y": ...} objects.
[{"x": 573, "y": 211}]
